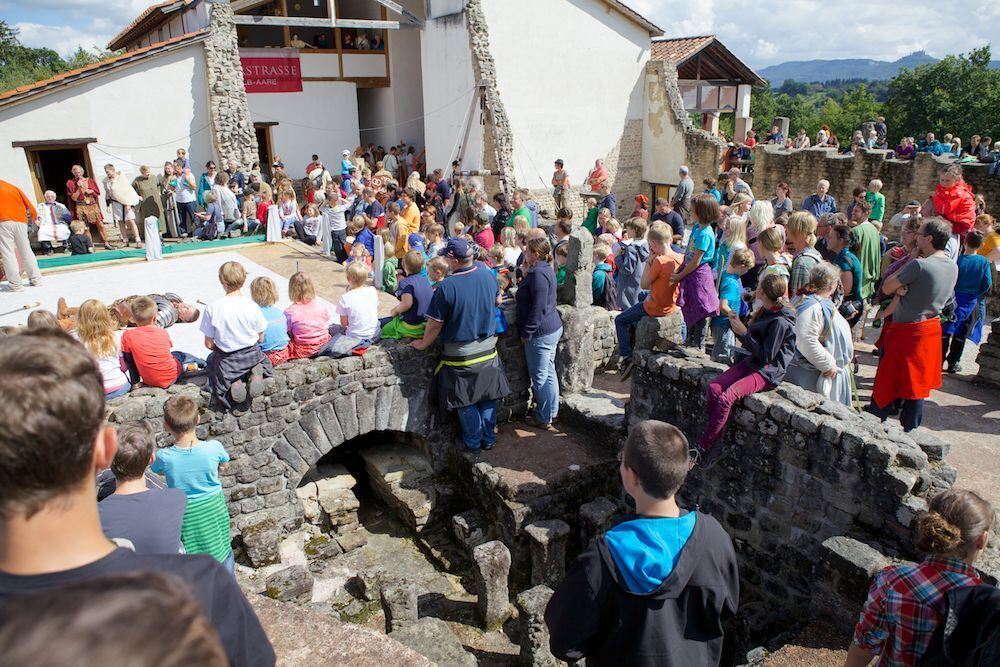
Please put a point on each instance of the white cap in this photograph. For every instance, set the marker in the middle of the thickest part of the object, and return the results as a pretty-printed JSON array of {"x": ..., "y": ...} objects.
[{"x": 346, "y": 152}]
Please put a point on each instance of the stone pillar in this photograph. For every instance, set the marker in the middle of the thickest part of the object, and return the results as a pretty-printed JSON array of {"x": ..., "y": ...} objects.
[
  {"x": 575, "y": 355},
  {"x": 784, "y": 124},
  {"x": 578, "y": 290},
  {"x": 232, "y": 128},
  {"x": 534, "y": 633},
  {"x": 548, "y": 551},
  {"x": 492, "y": 571},
  {"x": 595, "y": 518},
  {"x": 399, "y": 602},
  {"x": 744, "y": 123},
  {"x": 710, "y": 122}
]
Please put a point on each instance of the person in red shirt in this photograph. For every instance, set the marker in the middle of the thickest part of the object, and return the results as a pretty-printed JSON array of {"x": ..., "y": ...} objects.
[
  {"x": 147, "y": 350},
  {"x": 751, "y": 139}
]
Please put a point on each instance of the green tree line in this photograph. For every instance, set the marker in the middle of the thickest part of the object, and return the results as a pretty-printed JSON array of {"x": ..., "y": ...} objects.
[
  {"x": 959, "y": 95},
  {"x": 21, "y": 65}
]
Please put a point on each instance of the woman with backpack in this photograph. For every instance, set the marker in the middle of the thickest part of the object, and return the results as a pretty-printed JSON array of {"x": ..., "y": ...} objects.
[
  {"x": 907, "y": 602},
  {"x": 823, "y": 344}
]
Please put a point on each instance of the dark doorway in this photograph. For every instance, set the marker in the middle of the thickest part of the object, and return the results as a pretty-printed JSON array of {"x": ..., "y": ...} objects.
[
  {"x": 265, "y": 150},
  {"x": 50, "y": 168}
]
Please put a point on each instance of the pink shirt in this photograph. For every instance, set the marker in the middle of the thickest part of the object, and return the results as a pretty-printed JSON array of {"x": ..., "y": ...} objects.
[{"x": 308, "y": 323}]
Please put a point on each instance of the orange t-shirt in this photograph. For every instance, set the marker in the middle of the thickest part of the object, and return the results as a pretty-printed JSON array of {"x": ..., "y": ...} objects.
[
  {"x": 662, "y": 292},
  {"x": 150, "y": 349},
  {"x": 411, "y": 216}
]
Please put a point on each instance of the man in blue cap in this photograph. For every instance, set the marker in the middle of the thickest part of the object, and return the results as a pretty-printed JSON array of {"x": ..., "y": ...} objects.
[{"x": 470, "y": 377}]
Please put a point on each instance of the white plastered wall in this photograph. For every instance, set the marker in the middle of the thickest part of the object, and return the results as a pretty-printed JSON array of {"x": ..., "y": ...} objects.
[
  {"x": 321, "y": 119},
  {"x": 159, "y": 100},
  {"x": 448, "y": 87},
  {"x": 570, "y": 75}
]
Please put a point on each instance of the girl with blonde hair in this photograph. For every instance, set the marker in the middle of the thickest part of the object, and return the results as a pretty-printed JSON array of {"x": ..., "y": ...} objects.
[{"x": 96, "y": 330}]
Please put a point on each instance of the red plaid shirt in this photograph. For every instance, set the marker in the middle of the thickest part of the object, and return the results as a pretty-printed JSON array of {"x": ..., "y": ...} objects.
[{"x": 905, "y": 603}]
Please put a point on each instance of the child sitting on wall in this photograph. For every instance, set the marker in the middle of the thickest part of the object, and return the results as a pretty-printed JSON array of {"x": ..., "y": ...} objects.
[
  {"x": 234, "y": 327},
  {"x": 358, "y": 312},
  {"x": 147, "y": 352},
  {"x": 275, "y": 344},
  {"x": 408, "y": 318},
  {"x": 308, "y": 320}
]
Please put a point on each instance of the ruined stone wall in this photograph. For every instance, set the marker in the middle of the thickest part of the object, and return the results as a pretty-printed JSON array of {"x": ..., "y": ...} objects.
[
  {"x": 902, "y": 180},
  {"x": 802, "y": 469},
  {"x": 232, "y": 128},
  {"x": 989, "y": 358},
  {"x": 312, "y": 406}
]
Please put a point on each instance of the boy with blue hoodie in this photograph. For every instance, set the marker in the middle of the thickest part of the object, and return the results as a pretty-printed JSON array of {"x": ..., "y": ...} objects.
[{"x": 656, "y": 589}]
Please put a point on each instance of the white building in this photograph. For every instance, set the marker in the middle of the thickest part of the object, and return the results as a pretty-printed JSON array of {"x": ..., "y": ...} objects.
[{"x": 505, "y": 86}]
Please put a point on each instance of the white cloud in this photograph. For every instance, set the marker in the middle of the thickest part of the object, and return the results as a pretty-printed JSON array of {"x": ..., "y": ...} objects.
[
  {"x": 765, "y": 50},
  {"x": 64, "y": 39}
]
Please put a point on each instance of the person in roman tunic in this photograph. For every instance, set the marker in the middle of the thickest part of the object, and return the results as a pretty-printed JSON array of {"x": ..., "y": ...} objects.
[
  {"x": 82, "y": 193},
  {"x": 150, "y": 201},
  {"x": 122, "y": 200},
  {"x": 52, "y": 222}
]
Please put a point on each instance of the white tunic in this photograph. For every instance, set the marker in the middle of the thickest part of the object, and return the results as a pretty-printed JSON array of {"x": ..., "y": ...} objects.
[{"x": 51, "y": 222}]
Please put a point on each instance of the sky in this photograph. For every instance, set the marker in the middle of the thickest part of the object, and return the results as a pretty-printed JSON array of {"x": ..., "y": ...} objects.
[{"x": 760, "y": 32}]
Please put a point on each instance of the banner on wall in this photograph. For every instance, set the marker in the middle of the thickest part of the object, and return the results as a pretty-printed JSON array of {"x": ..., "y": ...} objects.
[{"x": 271, "y": 70}]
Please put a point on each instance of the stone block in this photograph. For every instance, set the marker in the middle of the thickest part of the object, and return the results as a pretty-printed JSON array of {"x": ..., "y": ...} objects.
[
  {"x": 351, "y": 540},
  {"x": 293, "y": 584},
  {"x": 547, "y": 540},
  {"x": 534, "y": 633},
  {"x": 596, "y": 518},
  {"x": 470, "y": 528},
  {"x": 492, "y": 561},
  {"x": 399, "y": 602},
  {"x": 934, "y": 447},
  {"x": 322, "y": 547},
  {"x": 339, "y": 504},
  {"x": 433, "y": 638},
  {"x": 660, "y": 334},
  {"x": 261, "y": 541}
]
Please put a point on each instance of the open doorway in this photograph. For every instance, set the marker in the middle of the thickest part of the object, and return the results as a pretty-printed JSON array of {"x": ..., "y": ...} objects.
[
  {"x": 265, "y": 151},
  {"x": 50, "y": 165}
]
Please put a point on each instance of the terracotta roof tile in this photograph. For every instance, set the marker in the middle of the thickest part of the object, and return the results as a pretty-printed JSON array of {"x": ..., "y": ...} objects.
[
  {"x": 149, "y": 11},
  {"x": 103, "y": 65},
  {"x": 680, "y": 48}
]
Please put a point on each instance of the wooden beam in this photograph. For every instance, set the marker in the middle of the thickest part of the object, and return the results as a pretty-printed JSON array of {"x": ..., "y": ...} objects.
[
  {"x": 403, "y": 11},
  {"x": 370, "y": 24},
  {"x": 244, "y": 19},
  {"x": 42, "y": 143}
]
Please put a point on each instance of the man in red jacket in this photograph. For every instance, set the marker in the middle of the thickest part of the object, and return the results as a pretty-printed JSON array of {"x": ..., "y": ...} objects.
[{"x": 15, "y": 212}]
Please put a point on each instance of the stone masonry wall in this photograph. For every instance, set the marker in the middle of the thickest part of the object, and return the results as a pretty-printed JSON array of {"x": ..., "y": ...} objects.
[
  {"x": 232, "y": 127},
  {"x": 989, "y": 358},
  {"x": 902, "y": 180},
  {"x": 310, "y": 407},
  {"x": 704, "y": 150},
  {"x": 802, "y": 469}
]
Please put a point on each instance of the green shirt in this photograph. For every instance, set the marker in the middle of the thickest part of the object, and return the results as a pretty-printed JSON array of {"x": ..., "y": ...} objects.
[
  {"x": 877, "y": 200},
  {"x": 521, "y": 211},
  {"x": 590, "y": 222},
  {"x": 389, "y": 275},
  {"x": 870, "y": 255}
]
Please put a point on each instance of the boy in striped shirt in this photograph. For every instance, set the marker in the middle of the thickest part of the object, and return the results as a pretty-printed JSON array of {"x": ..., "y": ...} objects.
[{"x": 192, "y": 465}]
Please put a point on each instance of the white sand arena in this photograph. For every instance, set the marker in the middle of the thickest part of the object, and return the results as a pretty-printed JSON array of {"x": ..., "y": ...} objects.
[{"x": 193, "y": 278}]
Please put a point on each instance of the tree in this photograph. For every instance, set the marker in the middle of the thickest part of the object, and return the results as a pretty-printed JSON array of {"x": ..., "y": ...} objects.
[
  {"x": 21, "y": 65},
  {"x": 959, "y": 95}
]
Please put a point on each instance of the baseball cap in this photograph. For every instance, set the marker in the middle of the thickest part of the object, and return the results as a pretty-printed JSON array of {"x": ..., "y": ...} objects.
[
  {"x": 914, "y": 202},
  {"x": 279, "y": 164},
  {"x": 456, "y": 249},
  {"x": 415, "y": 241},
  {"x": 346, "y": 152}
]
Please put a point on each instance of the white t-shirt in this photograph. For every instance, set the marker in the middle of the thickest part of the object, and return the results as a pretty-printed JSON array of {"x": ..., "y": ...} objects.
[
  {"x": 361, "y": 308},
  {"x": 111, "y": 367},
  {"x": 511, "y": 255},
  {"x": 233, "y": 322}
]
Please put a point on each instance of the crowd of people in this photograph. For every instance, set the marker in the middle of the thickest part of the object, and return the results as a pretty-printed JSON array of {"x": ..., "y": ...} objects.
[
  {"x": 873, "y": 135},
  {"x": 778, "y": 291}
]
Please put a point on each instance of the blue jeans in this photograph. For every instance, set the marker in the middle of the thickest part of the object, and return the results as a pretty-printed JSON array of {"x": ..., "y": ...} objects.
[
  {"x": 230, "y": 563},
  {"x": 623, "y": 325},
  {"x": 725, "y": 342},
  {"x": 479, "y": 423},
  {"x": 126, "y": 388},
  {"x": 540, "y": 353}
]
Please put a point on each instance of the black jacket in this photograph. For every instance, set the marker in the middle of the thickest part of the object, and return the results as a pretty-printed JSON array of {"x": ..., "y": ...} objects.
[
  {"x": 593, "y": 615},
  {"x": 770, "y": 340},
  {"x": 971, "y": 634}
]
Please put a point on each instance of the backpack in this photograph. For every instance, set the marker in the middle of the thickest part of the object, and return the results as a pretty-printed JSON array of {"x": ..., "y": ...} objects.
[
  {"x": 318, "y": 181},
  {"x": 969, "y": 631},
  {"x": 609, "y": 300}
]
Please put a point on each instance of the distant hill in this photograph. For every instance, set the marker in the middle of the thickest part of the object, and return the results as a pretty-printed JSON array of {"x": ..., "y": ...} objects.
[{"x": 809, "y": 71}]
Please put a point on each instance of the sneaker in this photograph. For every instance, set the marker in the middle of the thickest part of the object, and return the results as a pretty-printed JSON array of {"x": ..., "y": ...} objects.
[
  {"x": 15, "y": 288},
  {"x": 190, "y": 368},
  {"x": 626, "y": 368},
  {"x": 708, "y": 458},
  {"x": 487, "y": 446},
  {"x": 532, "y": 420},
  {"x": 238, "y": 391},
  {"x": 36, "y": 282},
  {"x": 954, "y": 368},
  {"x": 255, "y": 383}
]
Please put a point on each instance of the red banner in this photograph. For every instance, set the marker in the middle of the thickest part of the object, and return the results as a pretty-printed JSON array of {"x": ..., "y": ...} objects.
[{"x": 272, "y": 74}]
